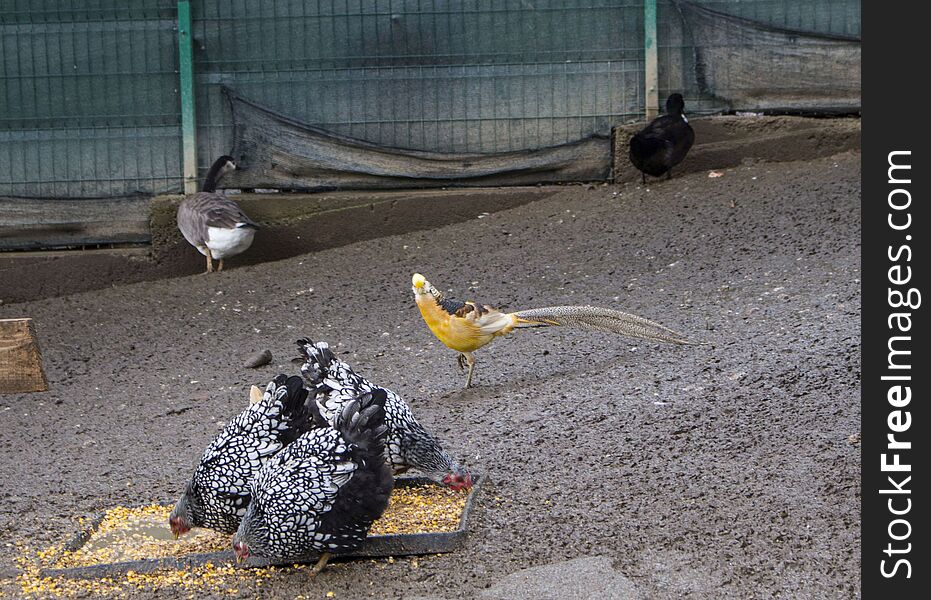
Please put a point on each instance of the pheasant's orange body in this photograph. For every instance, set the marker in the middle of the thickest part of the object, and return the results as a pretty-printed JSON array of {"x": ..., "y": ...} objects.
[{"x": 462, "y": 333}]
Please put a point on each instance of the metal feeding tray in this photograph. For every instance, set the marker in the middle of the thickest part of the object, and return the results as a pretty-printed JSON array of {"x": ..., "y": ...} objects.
[{"x": 398, "y": 544}]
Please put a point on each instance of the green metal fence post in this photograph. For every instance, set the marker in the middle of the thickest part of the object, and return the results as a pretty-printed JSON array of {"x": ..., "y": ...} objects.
[
  {"x": 186, "y": 83},
  {"x": 651, "y": 60}
]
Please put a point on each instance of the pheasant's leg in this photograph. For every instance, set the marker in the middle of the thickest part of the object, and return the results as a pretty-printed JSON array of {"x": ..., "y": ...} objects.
[
  {"x": 209, "y": 260},
  {"x": 320, "y": 564},
  {"x": 220, "y": 268},
  {"x": 461, "y": 361},
  {"x": 471, "y": 362},
  {"x": 668, "y": 174},
  {"x": 643, "y": 178}
]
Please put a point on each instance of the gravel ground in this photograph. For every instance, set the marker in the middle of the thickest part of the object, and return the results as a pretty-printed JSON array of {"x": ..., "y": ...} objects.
[{"x": 722, "y": 470}]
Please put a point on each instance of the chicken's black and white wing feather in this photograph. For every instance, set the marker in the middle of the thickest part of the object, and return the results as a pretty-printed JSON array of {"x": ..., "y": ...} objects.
[
  {"x": 408, "y": 445},
  {"x": 297, "y": 489},
  {"x": 323, "y": 492},
  {"x": 218, "y": 493}
]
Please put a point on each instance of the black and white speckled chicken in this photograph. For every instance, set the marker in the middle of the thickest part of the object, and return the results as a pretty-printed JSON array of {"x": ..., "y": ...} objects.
[
  {"x": 408, "y": 445},
  {"x": 217, "y": 495},
  {"x": 322, "y": 493}
]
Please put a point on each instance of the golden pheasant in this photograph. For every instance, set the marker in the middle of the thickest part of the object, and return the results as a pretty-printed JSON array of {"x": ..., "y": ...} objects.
[{"x": 467, "y": 326}]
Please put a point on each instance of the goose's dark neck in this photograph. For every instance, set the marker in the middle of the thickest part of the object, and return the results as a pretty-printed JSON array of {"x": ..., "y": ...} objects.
[
  {"x": 675, "y": 105},
  {"x": 210, "y": 181}
]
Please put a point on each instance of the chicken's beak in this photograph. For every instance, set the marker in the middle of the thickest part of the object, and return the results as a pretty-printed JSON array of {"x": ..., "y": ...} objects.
[
  {"x": 241, "y": 550},
  {"x": 177, "y": 527}
]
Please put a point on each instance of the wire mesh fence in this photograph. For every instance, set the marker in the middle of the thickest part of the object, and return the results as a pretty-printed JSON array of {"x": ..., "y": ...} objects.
[
  {"x": 89, "y": 103},
  {"x": 438, "y": 75}
]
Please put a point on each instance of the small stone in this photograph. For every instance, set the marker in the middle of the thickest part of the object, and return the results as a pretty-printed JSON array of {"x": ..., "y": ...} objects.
[{"x": 259, "y": 359}]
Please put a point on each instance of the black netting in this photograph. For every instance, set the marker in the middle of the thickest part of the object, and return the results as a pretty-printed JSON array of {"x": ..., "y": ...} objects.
[
  {"x": 734, "y": 63},
  {"x": 279, "y": 152}
]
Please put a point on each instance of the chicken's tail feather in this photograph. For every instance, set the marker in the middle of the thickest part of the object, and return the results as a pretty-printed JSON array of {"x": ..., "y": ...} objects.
[
  {"x": 316, "y": 359},
  {"x": 297, "y": 412},
  {"x": 599, "y": 319},
  {"x": 362, "y": 422},
  {"x": 289, "y": 391},
  {"x": 365, "y": 497}
]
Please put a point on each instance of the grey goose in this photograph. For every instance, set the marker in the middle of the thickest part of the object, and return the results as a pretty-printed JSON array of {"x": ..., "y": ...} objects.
[{"x": 213, "y": 223}]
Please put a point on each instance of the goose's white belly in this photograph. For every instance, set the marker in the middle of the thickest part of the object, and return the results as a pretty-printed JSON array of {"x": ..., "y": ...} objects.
[{"x": 228, "y": 242}]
